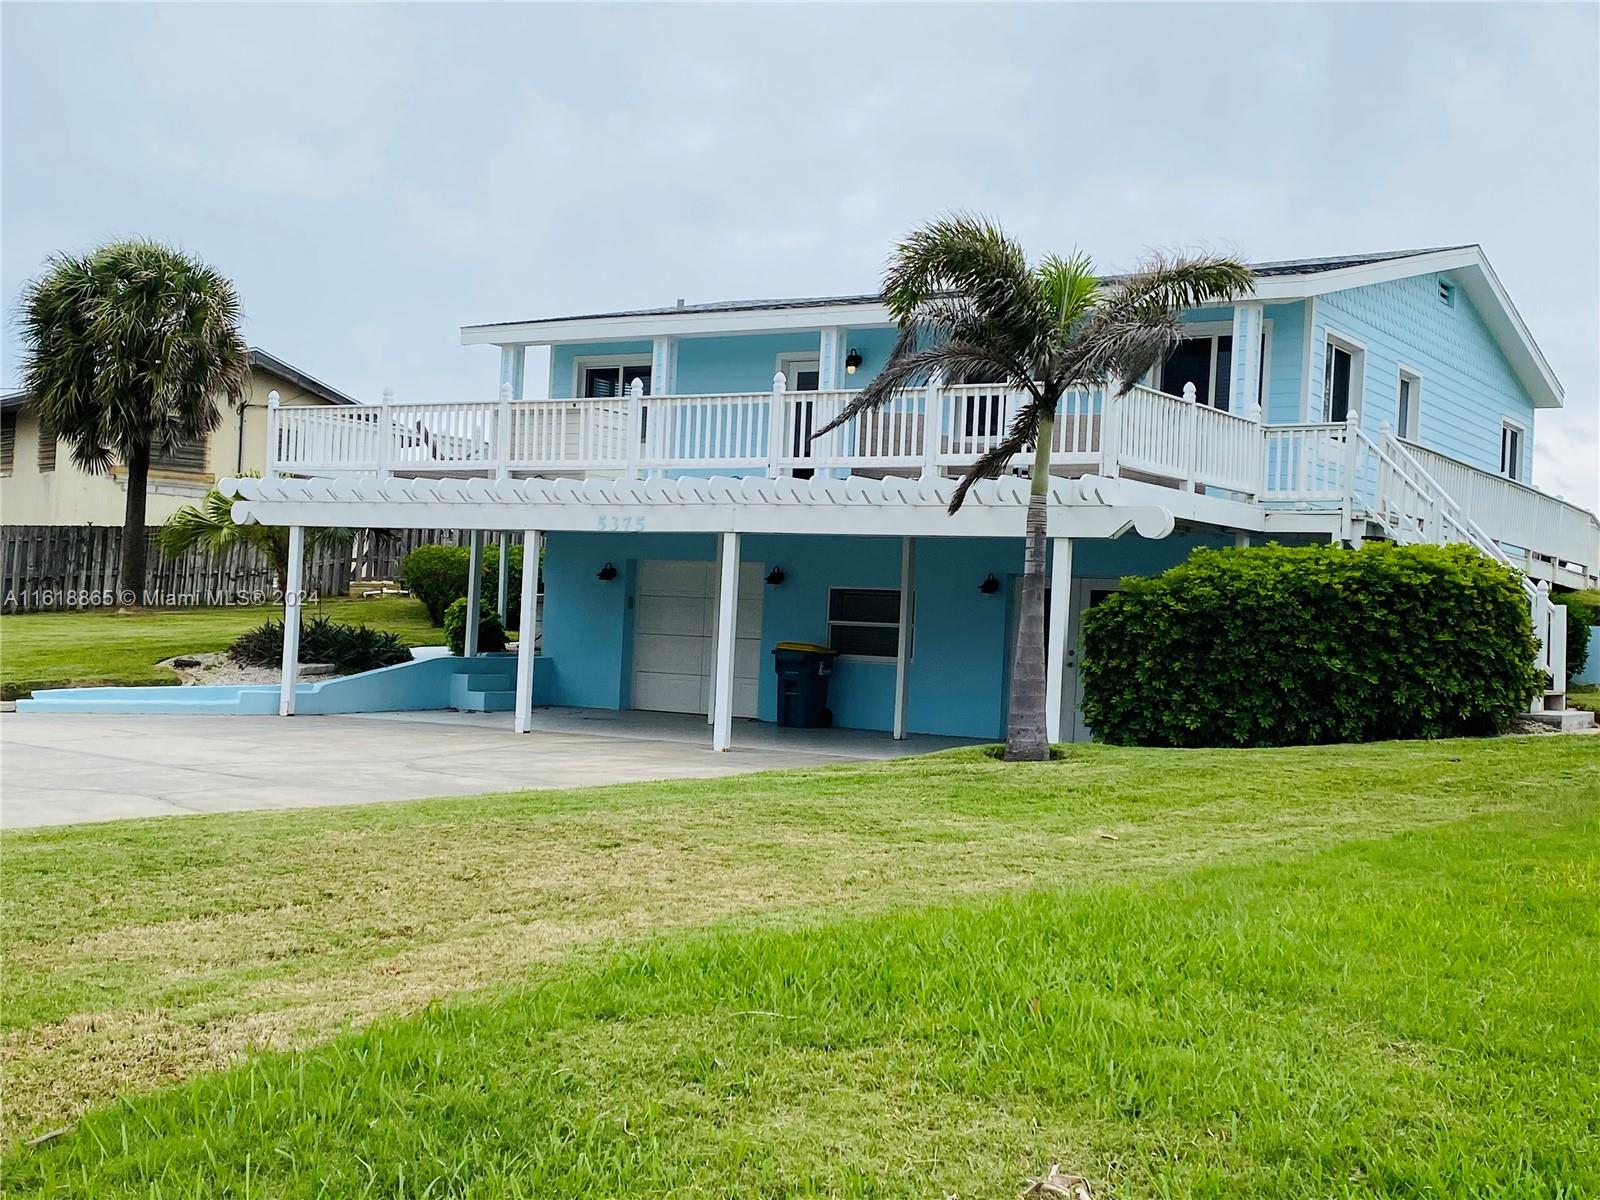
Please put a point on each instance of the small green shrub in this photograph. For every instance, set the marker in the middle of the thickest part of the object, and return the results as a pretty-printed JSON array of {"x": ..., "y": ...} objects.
[
  {"x": 491, "y": 634},
  {"x": 1582, "y": 613},
  {"x": 437, "y": 575},
  {"x": 1277, "y": 646},
  {"x": 349, "y": 648}
]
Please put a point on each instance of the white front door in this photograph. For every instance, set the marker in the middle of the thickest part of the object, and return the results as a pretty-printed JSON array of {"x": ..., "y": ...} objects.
[
  {"x": 1086, "y": 593},
  {"x": 674, "y": 648}
]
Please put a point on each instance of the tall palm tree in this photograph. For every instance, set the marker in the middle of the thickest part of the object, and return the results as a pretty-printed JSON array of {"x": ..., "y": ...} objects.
[
  {"x": 210, "y": 525},
  {"x": 969, "y": 306},
  {"x": 129, "y": 348}
]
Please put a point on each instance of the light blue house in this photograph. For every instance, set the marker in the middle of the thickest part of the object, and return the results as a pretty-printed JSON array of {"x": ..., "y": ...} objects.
[{"x": 689, "y": 522}]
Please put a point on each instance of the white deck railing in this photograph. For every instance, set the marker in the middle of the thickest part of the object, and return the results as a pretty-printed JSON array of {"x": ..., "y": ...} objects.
[
  {"x": 1416, "y": 494},
  {"x": 926, "y": 429}
]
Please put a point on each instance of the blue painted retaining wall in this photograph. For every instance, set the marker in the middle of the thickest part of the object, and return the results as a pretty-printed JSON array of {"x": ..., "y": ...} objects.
[
  {"x": 961, "y": 637},
  {"x": 412, "y": 686}
]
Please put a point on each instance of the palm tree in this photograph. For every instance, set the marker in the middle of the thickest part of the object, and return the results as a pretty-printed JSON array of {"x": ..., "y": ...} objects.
[
  {"x": 210, "y": 525},
  {"x": 969, "y": 306},
  {"x": 129, "y": 348}
]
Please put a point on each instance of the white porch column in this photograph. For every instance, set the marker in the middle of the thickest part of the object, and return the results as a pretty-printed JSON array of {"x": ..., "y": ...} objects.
[
  {"x": 716, "y": 624},
  {"x": 513, "y": 362},
  {"x": 727, "y": 627},
  {"x": 293, "y": 584},
  {"x": 1055, "y": 666},
  {"x": 902, "y": 657},
  {"x": 1244, "y": 389},
  {"x": 664, "y": 366},
  {"x": 1241, "y": 539},
  {"x": 469, "y": 643},
  {"x": 830, "y": 359},
  {"x": 503, "y": 600},
  {"x": 528, "y": 628}
]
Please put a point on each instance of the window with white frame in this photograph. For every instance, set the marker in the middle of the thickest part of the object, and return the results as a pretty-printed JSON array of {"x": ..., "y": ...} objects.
[
  {"x": 1341, "y": 379},
  {"x": 1407, "y": 400},
  {"x": 600, "y": 380},
  {"x": 864, "y": 622},
  {"x": 1511, "y": 435},
  {"x": 1206, "y": 360}
]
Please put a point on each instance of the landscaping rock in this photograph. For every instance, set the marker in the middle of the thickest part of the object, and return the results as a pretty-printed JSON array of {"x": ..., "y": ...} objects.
[
  {"x": 185, "y": 661},
  {"x": 315, "y": 670}
]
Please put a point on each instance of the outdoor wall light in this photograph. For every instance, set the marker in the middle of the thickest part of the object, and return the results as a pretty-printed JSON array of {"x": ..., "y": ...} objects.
[
  {"x": 606, "y": 573},
  {"x": 852, "y": 361},
  {"x": 776, "y": 576},
  {"x": 990, "y": 584}
]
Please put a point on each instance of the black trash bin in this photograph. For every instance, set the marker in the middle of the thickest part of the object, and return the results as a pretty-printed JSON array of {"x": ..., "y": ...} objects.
[{"x": 803, "y": 673}]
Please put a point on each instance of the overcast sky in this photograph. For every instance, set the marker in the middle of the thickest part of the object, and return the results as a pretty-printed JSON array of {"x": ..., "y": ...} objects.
[{"x": 373, "y": 177}]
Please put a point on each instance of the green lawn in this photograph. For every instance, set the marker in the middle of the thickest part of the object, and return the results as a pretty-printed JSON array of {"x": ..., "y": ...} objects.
[
  {"x": 50, "y": 650},
  {"x": 1336, "y": 971}
]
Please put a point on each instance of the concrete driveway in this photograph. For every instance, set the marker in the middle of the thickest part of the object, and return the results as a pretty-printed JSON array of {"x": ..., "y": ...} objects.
[{"x": 58, "y": 769}]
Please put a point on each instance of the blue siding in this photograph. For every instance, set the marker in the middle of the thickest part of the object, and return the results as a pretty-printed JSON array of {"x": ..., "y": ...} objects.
[
  {"x": 561, "y": 361},
  {"x": 960, "y": 643},
  {"x": 1286, "y": 350},
  {"x": 1468, "y": 388}
]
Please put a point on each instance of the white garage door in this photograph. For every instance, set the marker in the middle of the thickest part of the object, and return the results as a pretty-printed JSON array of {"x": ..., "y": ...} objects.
[{"x": 674, "y": 650}]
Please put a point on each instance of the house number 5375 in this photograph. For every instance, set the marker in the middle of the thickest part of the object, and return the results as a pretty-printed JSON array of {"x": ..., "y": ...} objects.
[{"x": 619, "y": 524}]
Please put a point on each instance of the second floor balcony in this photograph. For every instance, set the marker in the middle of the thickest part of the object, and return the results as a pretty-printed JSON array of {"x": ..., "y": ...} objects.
[{"x": 1147, "y": 435}]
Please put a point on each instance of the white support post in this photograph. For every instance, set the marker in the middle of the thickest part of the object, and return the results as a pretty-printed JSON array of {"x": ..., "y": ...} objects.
[
  {"x": 1241, "y": 539},
  {"x": 1191, "y": 421},
  {"x": 503, "y": 599},
  {"x": 932, "y": 425},
  {"x": 293, "y": 585},
  {"x": 528, "y": 628},
  {"x": 1352, "y": 467},
  {"x": 664, "y": 366},
  {"x": 727, "y": 627},
  {"x": 775, "y": 427},
  {"x": 902, "y": 655},
  {"x": 635, "y": 432},
  {"x": 385, "y": 432},
  {"x": 274, "y": 450},
  {"x": 829, "y": 360},
  {"x": 1249, "y": 323},
  {"x": 716, "y": 618},
  {"x": 469, "y": 642},
  {"x": 1055, "y": 667},
  {"x": 1111, "y": 429},
  {"x": 502, "y": 434},
  {"x": 1541, "y": 606},
  {"x": 513, "y": 361}
]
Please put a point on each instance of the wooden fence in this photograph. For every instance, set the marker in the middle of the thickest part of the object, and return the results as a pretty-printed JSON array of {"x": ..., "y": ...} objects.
[{"x": 45, "y": 567}]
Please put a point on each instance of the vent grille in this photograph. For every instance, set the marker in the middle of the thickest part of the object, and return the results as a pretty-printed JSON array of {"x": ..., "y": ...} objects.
[{"x": 1447, "y": 294}]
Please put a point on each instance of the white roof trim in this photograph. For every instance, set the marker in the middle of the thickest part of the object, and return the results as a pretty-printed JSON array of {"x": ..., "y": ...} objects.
[
  {"x": 644, "y": 326},
  {"x": 1466, "y": 266},
  {"x": 1086, "y": 507}
]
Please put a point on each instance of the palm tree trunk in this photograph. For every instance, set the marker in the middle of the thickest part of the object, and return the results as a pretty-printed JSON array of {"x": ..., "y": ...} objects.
[
  {"x": 131, "y": 576},
  {"x": 1027, "y": 739}
]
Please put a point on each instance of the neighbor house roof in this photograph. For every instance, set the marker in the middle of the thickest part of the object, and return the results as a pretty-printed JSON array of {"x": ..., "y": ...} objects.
[
  {"x": 1276, "y": 280},
  {"x": 259, "y": 360}
]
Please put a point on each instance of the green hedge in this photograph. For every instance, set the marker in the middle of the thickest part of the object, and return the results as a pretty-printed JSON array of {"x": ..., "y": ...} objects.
[
  {"x": 491, "y": 635},
  {"x": 1277, "y": 646},
  {"x": 437, "y": 575}
]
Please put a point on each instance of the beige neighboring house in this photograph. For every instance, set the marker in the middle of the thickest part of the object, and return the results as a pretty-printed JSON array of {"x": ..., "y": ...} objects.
[{"x": 40, "y": 484}]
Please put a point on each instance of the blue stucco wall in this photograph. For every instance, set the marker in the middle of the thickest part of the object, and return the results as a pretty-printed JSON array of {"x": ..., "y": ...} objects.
[
  {"x": 961, "y": 639},
  {"x": 1468, "y": 388}
]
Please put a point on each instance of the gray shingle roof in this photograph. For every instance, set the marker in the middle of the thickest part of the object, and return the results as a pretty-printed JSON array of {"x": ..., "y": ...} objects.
[
  {"x": 1287, "y": 266},
  {"x": 269, "y": 363}
]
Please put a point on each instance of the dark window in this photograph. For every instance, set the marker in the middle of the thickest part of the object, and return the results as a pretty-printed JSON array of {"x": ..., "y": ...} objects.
[
  {"x": 8, "y": 440},
  {"x": 983, "y": 415},
  {"x": 186, "y": 454},
  {"x": 601, "y": 382},
  {"x": 864, "y": 621},
  {"x": 1224, "y": 378},
  {"x": 1511, "y": 451},
  {"x": 1189, "y": 363},
  {"x": 1336, "y": 369},
  {"x": 807, "y": 380}
]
